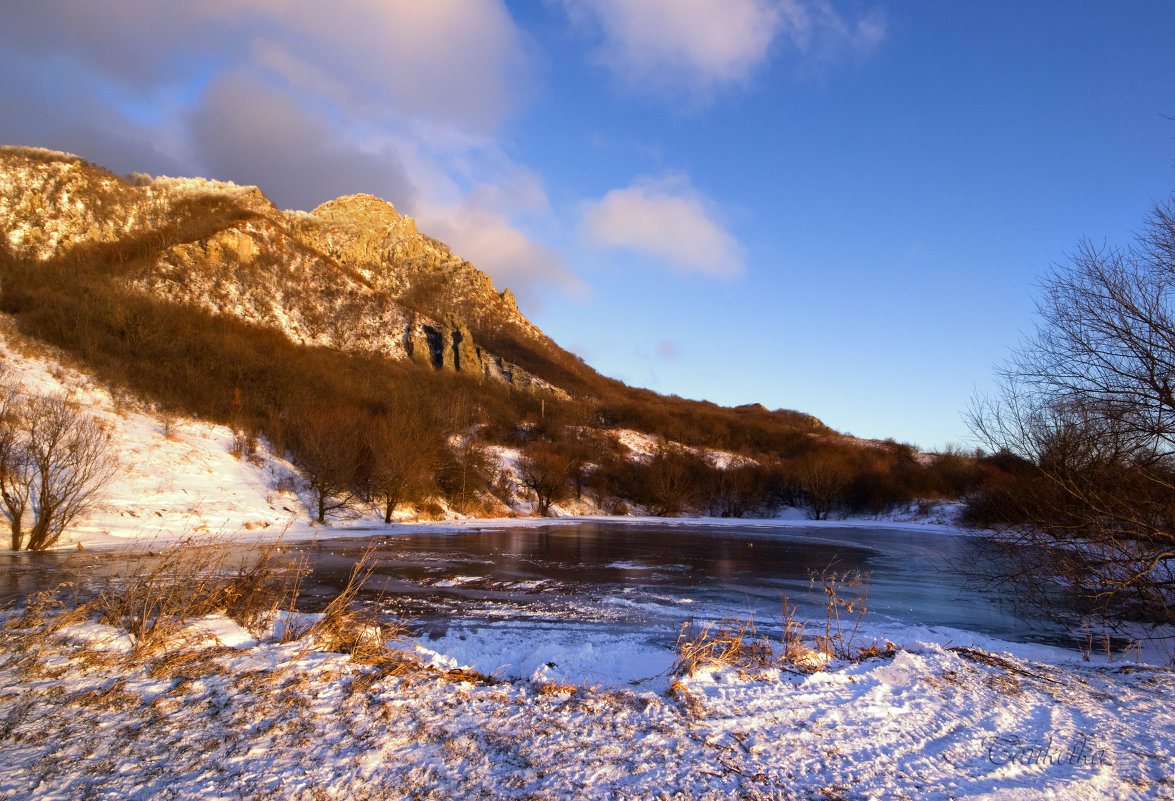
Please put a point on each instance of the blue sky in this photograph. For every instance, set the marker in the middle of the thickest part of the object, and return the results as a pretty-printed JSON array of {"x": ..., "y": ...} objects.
[{"x": 840, "y": 207}]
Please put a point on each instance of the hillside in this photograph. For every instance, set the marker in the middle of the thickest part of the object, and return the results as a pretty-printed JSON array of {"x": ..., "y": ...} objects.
[
  {"x": 347, "y": 341},
  {"x": 353, "y": 274}
]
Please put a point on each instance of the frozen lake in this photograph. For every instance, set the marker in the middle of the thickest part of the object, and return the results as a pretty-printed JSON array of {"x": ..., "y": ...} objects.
[
  {"x": 638, "y": 583},
  {"x": 606, "y": 600}
]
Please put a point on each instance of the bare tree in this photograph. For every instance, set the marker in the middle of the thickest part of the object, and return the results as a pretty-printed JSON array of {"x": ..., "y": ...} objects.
[
  {"x": 404, "y": 455},
  {"x": 546, "y": 470},
  {"x": 327, "y": 445},
  {"x": 15, "y": 465},
  {"x": 1088, "y": 403},
  {"x": 823, "y": 478},
  {"x": 54, "y": 463},
  {"x": 675, "y": 476}
]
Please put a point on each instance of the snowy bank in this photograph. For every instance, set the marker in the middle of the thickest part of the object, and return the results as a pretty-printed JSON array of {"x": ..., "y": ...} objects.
[{"x": 243, "y": 718}]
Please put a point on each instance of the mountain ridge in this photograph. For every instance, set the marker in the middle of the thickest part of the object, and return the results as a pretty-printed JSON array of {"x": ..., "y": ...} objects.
[{"x": 352, "y": 274}]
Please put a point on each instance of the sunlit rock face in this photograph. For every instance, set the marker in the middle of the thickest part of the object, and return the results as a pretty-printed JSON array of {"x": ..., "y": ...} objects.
[{"x": 352, "y": 274}]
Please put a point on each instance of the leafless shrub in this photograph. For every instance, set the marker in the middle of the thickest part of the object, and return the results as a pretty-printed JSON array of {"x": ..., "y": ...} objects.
[
  {"x": 544, "y": 470},
  {"x": 1087, "y": 405},
  {"x": 328, "y": 448},
  {"x": 823, "y": 479},
  {"x": 244, "y": 445},
  {"x": 54, "y": 463},
  {"x": 837, "y": 639},
  {"x": 168, "y": 425},
  {"x": 404, "y": 454}
]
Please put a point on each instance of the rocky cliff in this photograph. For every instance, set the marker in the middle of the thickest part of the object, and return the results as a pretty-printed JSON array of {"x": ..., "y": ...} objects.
[{"x": 352, "y": 274}]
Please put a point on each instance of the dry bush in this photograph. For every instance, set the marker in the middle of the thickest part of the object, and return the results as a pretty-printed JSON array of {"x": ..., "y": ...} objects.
[
  {"x": 837, "y": 639},
  {"x": 545, "y": 469},
  {"x": 738, "y": 644},
  {"x": 729, "y": 643},
  {"x": 163, "y": 592},
  {"x": 431, "y": 510}
]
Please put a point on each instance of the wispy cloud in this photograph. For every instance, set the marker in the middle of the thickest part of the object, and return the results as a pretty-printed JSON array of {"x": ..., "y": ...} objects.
[
  {"x": 668, "y": 220},
  {"x": 823, "y": 35},
  {"x": 668, "y": 350},
  {"x": 698, "y": 47},
  {"x": 503, "y": 250}
]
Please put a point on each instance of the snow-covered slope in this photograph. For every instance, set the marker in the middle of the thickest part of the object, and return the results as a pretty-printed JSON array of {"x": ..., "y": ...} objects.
[{"x": 177, "y": 476}]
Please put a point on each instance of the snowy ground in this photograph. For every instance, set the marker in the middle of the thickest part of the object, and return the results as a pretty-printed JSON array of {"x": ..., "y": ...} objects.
[
  {"x": 80, "y": 718},
  {"x": 249, "y": 719}
]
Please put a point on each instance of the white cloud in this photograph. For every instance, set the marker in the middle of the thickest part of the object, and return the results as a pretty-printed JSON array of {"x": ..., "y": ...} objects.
[
  {"x": 669, "y": 221},
  {"x": 698, "y": 46},
  {"x": 449, "y": 61},
  {"x": 714, "y": 41},
  {"x": 817, "y": 29},
  {"x": 486, "y": 235},
  {"x": 457, "y": 62}
]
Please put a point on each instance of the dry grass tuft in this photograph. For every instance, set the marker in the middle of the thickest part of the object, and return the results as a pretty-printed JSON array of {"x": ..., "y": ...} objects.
[
  {"x": 344, "y": 628},
  {"x": 548, "y": 688},
  {"x": 463, "y": 675},
  {"x": 25, "y": 632},
  {"x": 189, "y": 664},
  {"x": 738, "y": 644},
  {"x": 157, "y": 598},
  {"x": 876, "y": 650},
  {"x": 729, "y": 643},
  {"x": 692, "y": 705},
  {"x": 48, "y": 611},
  {"x": 162, "y": 593}
]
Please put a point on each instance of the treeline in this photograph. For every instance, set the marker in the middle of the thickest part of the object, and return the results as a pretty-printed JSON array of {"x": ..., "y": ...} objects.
[
  {"x": 362, "y": 428},
  {"x": 825, "y": 475}
]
